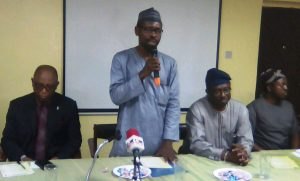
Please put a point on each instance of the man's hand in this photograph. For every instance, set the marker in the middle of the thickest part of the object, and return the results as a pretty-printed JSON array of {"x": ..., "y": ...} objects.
[
  {"x": 166, "y": 151},
  {"x": 238, "y": 155},
  {"x": 152, "y": 64}
]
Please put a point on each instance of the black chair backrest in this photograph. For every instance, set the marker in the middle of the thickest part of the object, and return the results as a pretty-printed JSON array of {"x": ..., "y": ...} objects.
[
  {"x": 182, "y": 135},
  {"x": 182, "y": 131},
  {"x": 103, "y": 131}
]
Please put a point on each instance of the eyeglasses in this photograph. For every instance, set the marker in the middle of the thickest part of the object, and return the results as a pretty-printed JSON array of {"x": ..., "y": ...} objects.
[
  {"x": 152, "y": 30},
  {"x": 40, "y": 86},
  {"x": 219, "y": 92}
]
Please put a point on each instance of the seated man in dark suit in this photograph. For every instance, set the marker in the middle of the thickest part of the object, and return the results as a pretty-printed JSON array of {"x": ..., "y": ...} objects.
[{"x": 42, "y": 125}]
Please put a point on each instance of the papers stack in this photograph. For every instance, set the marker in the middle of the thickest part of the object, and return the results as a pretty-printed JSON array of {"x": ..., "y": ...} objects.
[
  {"x": 159, "y": 167},
  {"x": 155, "y": 162},
  {"x": 297, "y": 153},
  {"x": 283, "y": 162},
  {"x": 14, "y": 169}
]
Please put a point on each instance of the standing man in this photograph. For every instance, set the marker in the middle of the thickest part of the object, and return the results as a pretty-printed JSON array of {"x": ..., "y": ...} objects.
[
  {"x": 152, "y": 108},
  {"x": 219, "y": 127},
  {"x": 273, "y": 119},
  {"x": 42, "y": 125}
]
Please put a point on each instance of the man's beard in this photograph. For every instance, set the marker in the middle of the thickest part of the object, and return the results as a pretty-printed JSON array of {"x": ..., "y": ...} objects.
[{"x": 149, "y": 48}]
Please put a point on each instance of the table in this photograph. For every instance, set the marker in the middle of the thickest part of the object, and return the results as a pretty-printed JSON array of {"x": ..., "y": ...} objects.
[{"x": 197, "y": 169}]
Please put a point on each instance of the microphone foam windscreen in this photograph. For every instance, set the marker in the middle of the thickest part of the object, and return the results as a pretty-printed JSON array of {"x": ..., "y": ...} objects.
[{"x": 132, "y": 131}]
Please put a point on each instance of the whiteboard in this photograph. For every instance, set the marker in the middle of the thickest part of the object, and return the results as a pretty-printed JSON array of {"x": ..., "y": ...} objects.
[{"x": 94, "y": 30}]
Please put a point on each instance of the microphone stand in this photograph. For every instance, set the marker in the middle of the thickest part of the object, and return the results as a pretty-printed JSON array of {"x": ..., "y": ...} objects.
[
  {"x": 134, "y": 177},
  {"x": 136, "y": 168},
  {"x": 95, "y": 158}
]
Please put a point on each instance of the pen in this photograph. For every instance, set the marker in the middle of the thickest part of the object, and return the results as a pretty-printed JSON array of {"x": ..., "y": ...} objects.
[{"x": 21, "y": 165}]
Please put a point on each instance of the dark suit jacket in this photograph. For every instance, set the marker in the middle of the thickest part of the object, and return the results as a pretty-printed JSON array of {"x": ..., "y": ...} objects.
[{"x": 63, "y": 128}]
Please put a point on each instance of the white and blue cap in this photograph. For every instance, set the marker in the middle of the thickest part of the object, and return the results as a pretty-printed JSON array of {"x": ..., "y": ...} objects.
[{"x": 270, "y": 75}]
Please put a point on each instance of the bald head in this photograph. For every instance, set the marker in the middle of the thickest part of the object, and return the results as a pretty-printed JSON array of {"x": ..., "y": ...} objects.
[
  {"x": 44, "y": 82},
  {"x": 45, "y": 68}
]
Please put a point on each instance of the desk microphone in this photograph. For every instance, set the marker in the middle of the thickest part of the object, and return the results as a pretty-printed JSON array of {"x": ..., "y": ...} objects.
[
  {"x": 135, "y": 144},
  {"x": 156, "y": 73},
  {"x": 117, "y": 136}
]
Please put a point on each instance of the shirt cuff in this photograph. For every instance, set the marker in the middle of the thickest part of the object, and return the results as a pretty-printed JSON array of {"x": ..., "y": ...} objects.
[
  {"x": 23, "y": 157},
  {"x": 216, "y": 154}
]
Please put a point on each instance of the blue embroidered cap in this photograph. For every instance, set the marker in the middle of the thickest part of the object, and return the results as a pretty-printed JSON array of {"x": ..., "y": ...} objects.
[
  {"x": 215, "y": 77},
  {"x": 150, "y": 14}
]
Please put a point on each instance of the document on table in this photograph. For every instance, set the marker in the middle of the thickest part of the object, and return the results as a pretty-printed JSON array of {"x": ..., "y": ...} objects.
[
  {"x": 158, "y": 166},
  {"x": 283, "y": 162},
  {"x": 14, "y": 169},
  {"x": 155, "y": 162},
  {"x": 297, "y": 153}
]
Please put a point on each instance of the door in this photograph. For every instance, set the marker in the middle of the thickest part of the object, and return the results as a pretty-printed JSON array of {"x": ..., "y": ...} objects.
[{"x": 280, "y": 48}]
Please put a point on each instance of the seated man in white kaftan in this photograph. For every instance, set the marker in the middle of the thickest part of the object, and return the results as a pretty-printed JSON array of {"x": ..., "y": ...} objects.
[{"x": 219, "y": 127}]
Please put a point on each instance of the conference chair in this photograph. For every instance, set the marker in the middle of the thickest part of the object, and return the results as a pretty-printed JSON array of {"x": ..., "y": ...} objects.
[
  {"x": 182, "y": 131},
  {"x": 103, "y": 131},
  {"x": 182, "y": 136}
]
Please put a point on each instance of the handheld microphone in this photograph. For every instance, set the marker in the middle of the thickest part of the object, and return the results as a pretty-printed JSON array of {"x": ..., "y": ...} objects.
[
  {"x": 134, "y": 142},
  {"x": 156, "y": 73},
  {"x": 117, "y": 136}
]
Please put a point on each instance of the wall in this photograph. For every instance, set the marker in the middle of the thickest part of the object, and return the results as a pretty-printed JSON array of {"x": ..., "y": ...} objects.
[
  {"x": 240, "y": 30},
  {"x": 31, "y": 34}
]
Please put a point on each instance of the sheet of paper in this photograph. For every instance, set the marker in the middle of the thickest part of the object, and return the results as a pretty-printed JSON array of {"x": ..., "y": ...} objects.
[
  {"x": 297, "y": 153},
  {"x": 33, "y": 165},
  {"x": 283, "y": 162},
  {"x": 14, "y": 169},
  {"x": 155, "y": 162}
]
